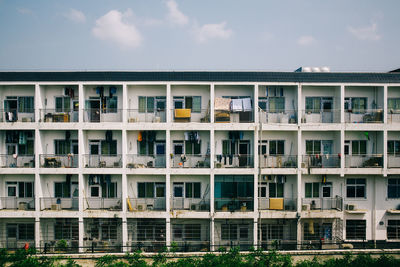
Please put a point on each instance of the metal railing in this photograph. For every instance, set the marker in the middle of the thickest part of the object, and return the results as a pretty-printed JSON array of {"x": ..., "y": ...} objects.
[
  {"x": 242, "y": 245},
  {"x": 283, "y": 204},
  {"x": 190, "y": 161},
  {"x": 103, "y": 161},
  {"x": 59, "y": 115},
  {"x": 101, "y": 203},
  {"x": 59, "y": 246},
  {"x": 15, "y": 116},
  {"x": 193, "y": 204},
  {"x": 281, "y": 117},
  {"x": 17, "y": 161},
  {"x": 156, "y": 116},
  {"x": 278, "y": 161},
  {"x": 58, "y": 161},
  {"x": 234, "y": 161},
  {"x": 393, "y": 161},
  {"x": 322, "y": 161},
  {"x": 191, "y": 246},
  {"x": 17, "y": 203},
  {"x": 234, "y": 204},
  {"x": 320, "y": 116},
  {"x": 102, "y": 115},
  {"x": 364, "y": 161},
  {"x": 145, "y": 161},
  {"x": 146, "y": 204},
  {"x": 202, "y": 115},
  {"x": 393, "y": 116},
  {"x": 147, "y": 246},
  {"x": 12, "y": 245},
  {"x": 102, "y": 246},
  {"x": 364, "y": 116},
  {"x": 322, "y": 203},
  {"x": 234, "y": 117},
  {"x": 59, "y": 203}
]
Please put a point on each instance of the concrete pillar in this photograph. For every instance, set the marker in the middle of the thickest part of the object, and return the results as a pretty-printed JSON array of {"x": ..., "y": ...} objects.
[
  {"x": 169, "y": 104},
  {"x": 168, "y": 149},
  {"x": 81, "y": 230},
  {"x": 212, "y": 98},
  {"x": 168, "y": 193},
  {"x": 385, "y": 156},
  {"x": 124, "y": 177},
  {"x": 37, "y": 232},
  {"x": 82, "y": 197},
  {"x": 342, "y": 120},
  {"x": 212, "y": 188},
  {"x": 124, "y": 234},
  {"x": 38, "y": 191},
  {"x": 81, "y": 102},
  {"x": 124, "y": 193},
  {"x": 255, "y": 233},
  {"x": 38, "y": 104},
  {"x": 212, "y": 237},
  {"x": 300, "y": 107},
  {"x": 343, "y": 156},
  {"x": 124, "y": 103},
  {"x": 255, "y": 105},
  {"x": 168, "y": 232},
  {"x": 385, "y": 104}
]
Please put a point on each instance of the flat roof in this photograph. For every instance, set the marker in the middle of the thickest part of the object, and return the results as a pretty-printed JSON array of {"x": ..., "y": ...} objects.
[{"x": 198, "y": 76}]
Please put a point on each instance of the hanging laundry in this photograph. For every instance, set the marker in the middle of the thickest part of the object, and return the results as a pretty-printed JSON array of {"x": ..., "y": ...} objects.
[
  {"x": 186, "y": 134},
  {"x": 222, "y": 104},
  {"x": 237, "y": 105},
  {"x": 140, "y": 137},
  {"x": 247, "y": 104}
]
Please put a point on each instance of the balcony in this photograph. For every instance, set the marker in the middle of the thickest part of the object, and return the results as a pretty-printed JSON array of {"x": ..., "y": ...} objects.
[
  {"x": 136, "y": 115},
  {"x": 234, "y": 204},
  {"x": 15, "y": 116},
  {"x": 101, "y": 203},
  {"x": 187, "y": 115},
  {"x": 393, "y": 161},
  {"x": 234, "y": 161},
  {"x": 56, "y": 115},
  {"x": 193, "y": 204},
  {"x": 17, "y": 161},
  {"x": 278, "y": 161},
  {"x": 364, "y": 161},
  {"x": 145, "y": 161},
  {"x": 146, "y": 204},
  {"x": 17, "y": 203},
  {"x": 321, "y": 161},
  {"x": 233, "y": 117},
  {"x": 281, "y": 117},
  {"x": 324, "y": 203},
  {"x": 320, "y": 116},
  {"x": 364, "y": 116},
  {"x": 103, "y": 161},
  {"x": 279, "y": 204},
  {"x": 190, "y": 161},
  {"x": 58, "y": 161},
  {"x": 102, "y": 115},
  {"x": 59, "y": 203}
]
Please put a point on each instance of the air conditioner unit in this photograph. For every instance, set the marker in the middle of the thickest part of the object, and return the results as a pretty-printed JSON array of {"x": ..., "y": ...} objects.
[
  {"x": 351, "y": 207},
  {"x": 305, "y": 207}
]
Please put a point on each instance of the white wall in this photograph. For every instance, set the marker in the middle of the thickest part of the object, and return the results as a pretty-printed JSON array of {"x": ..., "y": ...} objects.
[{"x": 134, "y": 91}]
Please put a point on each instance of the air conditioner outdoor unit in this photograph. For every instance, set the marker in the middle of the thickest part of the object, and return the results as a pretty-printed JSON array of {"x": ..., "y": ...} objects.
[
  {"x": 351, "y": 207},
  {"x": 305, "y": 207}
]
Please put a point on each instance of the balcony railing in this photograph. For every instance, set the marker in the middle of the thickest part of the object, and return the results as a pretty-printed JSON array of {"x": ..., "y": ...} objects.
[
  {"x": 364, "y": 161},
  {"x": 321, "y": 161},
  {"x": 103, "y": 161},
  {"x": 282, "y": 204},
  {"x": 59, "y": 203},
  {"x": 194, "y": 204},
  {"x": 393, "y": 116},
  {"x": 145, "y": 161},
  {"x": 190, "y": 161},
  {"x": 234, "y": 161},
  {"x": 59, "y": 115},
  {"x": 19, "y": 244},
  {"x": 281, "y": 117},
  {"x": 55, "y": 246},
  {"x": 146, "y": 204},
  {"x": 101, "y": 203},
  {"x": 320, "y": 116},
  {"x": 58, "y": 161},
  {"x": 17, "y": 203},
  {"x": 187, "y": 115},
  {"x": 364, "y": 116},
  {"x": 15, "y": 116},
  {"x": 108, "y": 245},
  {"x": 233, "y": 117},
  {"x": 192, "y": 246},
  {"x": 278, "y": 161},
  {"x": 156, "y": 116},
  {"x": 102, "y": 115},
  {"x": 393, "y": 161},
  {"x": 146, "y": 246},
  {"x": 234, "y": 204},
  {"x": 17, "y": 161},
  {"x": 324, "y": 203}
]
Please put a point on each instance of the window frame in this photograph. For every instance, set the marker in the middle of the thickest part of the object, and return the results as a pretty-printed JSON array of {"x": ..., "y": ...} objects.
[
  {"x": 356, "y": 185},
  {"x": 356, "y": 227}
]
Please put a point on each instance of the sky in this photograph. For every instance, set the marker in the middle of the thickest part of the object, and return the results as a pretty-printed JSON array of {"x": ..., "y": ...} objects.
[{"x": 344, "y": 35}]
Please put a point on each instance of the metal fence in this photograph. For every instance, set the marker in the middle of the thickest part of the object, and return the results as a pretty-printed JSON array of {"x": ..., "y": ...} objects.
[
  {"x": 145, "y": 161},
  {"x": 101, "y": 203},
  {"x": 279, "y": 117},
  {"x": 59, "y": 203},
  {"x": 146, "y": 204},
  {"x": 322, "y": 161},
  {"x": 323, "y": 203},
  {"x": 364, "y": 161},
  {"x": 103, "y": 161},
  {"x": 364, "y": 116},
  {"x": 59, "y": 161},
  {"x": 136, "y": 115},
  {"x": 278, "y": 161},
  {"x": 17, "y": 203},
  {"x": 17, "y": 161},
  {"x": 234, "y": 161},
  {"x": 283, "y": 204},
  {"x": 234, "y": 204},
  {"x": 320, "y": 116},
  {"x": 59, "y": 115},
  {"x": 194, "y": 204},
  {"x": 190, "y": 161},
  {"x": 102, "y": 115}
]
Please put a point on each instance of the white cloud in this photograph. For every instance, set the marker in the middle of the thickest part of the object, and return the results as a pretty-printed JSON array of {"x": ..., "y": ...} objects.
[
  {"x": 369, "y": 33},
  {"x": 212, "y": 31},
  {"x": 306, "y": 40},
  {"x": 24, "y": 11},
  {"x": 75, "y": 16},
  {"x": 114, "y": 28},
  {"x": 175, "y": 16}
]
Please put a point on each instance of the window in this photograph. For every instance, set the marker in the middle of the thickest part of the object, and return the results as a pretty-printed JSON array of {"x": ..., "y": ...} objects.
[
  {"x": 64, "y": 147},
  {"x": 263, "y": 103},
  {"x": 276, "y": 104},
  {"x": 146, "y": 190},
  {"x": 192, "y": 190},
  {"x": 356, "y": 104},
  {"x": 393, "y": 229},
  {"x": 313, "y": 104},
  {"x": 271, "y": 232},
  {"x": 192, "y": 148},
  {"x": 178, "y": 147},
  {"x": 66, "y": 229},
  {"x": 262, "y": 190},
  {"x": 312, "y": 190},
  {"x": 151, "y": 103},
  {"x": 356, "y": 229},
  {"x": 358, "y": 147},
  {"x": 62, "y": 189},
  {"x": 276, "y": 147},
  {"x": 313, "y": 147},
  {"x": 109, "y": 190},
  {"x": 94, "y": 191},
  {"x": 355, "y": 188},
  {"x": 25, "y": 142},
  {"x": 394, "y": 105},
  {"x": 20, "y": 189},
  {"x": 150, "y": 229},
  {"x": 262, "y": 147},
  {"x": 275, "y": 190},
  {"x": 111, "y": 104},
  {"x": 229, "y": 231},
  {"x": 188, "y": 102},
  {"x": 108, "y": 147},
  {"x": 63, "y": 104},
  {"x": 21, "y": 231},
  {"x": 145, "y": 147},
  {"x": 188, "y": 232},
  {"x": 26, "y": 104},
  {"x": 393, "y": 147},
  {"x": 394, "y": 188},
  {"x": 108, "y": 229}
]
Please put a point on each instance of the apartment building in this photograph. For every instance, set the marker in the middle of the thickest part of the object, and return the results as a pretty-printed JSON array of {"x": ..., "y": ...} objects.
[{"x": 119, "y": 161}]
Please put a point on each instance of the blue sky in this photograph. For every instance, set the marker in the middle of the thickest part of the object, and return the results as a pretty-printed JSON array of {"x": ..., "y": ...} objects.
[{"x": 345, "y": 35}]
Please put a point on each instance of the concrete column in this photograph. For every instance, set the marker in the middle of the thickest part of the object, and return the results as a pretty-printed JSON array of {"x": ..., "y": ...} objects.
[
  {"x": 212, "y": 98},
  {"x": 299, "y": 104},
  {"x": 124, "y": 193},
  {"x": 38, "y": 191},
  {"x": 38, "y": 187},
  {"x": 299, "y": 233},
  {"x": 385, "y": 104},
  {"x": 212, "y": 237},
  {"x": 212, "y": 188},
  {"x": 343, "y": 156},
  {"x": 255, "y": 105},
  {"x": 82, "y": 197},
  {"x": 342, "y": 104},
  {"x": 255, "y": 233},
  {"x": 37, "y": 232},
  {"x": 168, "y": 232},
  {"x": 385, "y": 156},
  {"x": 299, "y": 186},
  {"x": 124, "y": 177},
  {"x": 169, "y": 104},
  {"x": 81, "y": 230},
  {"x": 81, "y": 102},
  {"x": 124, "y": 103},
  {"x": 168, "y": 193},
  {"x": 168, "y": 149},
  {"x": 38, "y": 104},
  {"x": 124, "y": 234}
]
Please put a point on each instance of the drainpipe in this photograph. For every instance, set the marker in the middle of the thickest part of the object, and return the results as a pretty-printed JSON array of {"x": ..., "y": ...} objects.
[{"x": 373, "y": 214}]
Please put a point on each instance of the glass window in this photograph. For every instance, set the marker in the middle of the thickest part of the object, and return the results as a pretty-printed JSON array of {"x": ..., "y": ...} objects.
[
  {"x": 355, "y": 188},
  {"x": 394, "y": 105},
  {"x": 359, "y": 147},
  {"x": 146, "y": 190},
  {"x": 63, "y": 104},
  {"x": 393, "y": 147},
  {"x": 26, "y": 231},
  {"x": 313, "y": 147},
  {"x": 393, "y": 229},
  {"x": 62, "y": 189},
  {"x": 229, "y": 231},
  {"x": 112, "y": 104},
  {"x": 393, "y": 188},
  {"x": 313, "y": 104},
  {"x": 275, "y": 190},
  {"x": 356, "y": 229},
  {"x": 276, "y": 104},
  {"x": 150, "y": 104},
  {"x": 312, "y": 190},
  {"x": 108, "y": 147},
  {"x": 276, "y": 147},
  {"x": 26, "y": 104},
  {"x": 142, "y": 104},
  {"x": 192, "y": 190}
]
